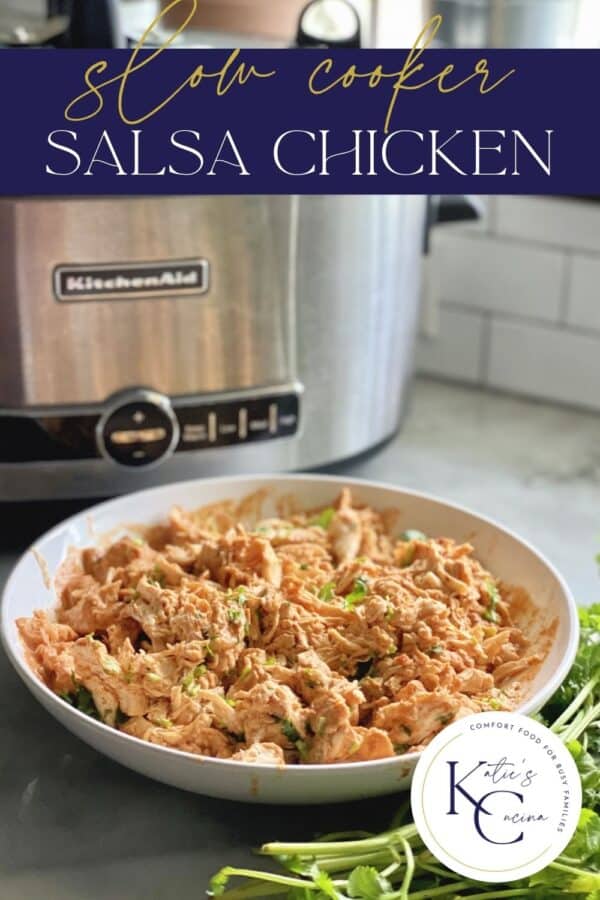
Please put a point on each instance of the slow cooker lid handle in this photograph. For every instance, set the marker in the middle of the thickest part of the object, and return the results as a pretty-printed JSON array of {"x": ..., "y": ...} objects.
[
  {"x": 95, "y": 23},
  {"x": 329, "y": 23},
  {"x": 458, "y": 208},
  {"x": 442, "y": 209}
]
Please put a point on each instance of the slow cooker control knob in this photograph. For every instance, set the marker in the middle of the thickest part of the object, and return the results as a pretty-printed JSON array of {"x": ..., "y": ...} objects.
[{"x": 138, "y": 429}]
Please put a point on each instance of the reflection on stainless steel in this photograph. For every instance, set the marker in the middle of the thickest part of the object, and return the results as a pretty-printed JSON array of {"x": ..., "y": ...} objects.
[
  {"x": 507, "y": 23},
  {"x": 25, "y": 30},
  {"x": 235, "y": 336},
  {"x": 317, "y": 290}
]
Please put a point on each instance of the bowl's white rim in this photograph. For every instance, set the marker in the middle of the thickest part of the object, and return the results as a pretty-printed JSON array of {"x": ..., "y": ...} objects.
[{"x": 34, "y": 684}]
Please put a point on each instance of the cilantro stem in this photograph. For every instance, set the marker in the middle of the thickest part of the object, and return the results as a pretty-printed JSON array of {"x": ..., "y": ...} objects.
[
  {"x": 346, "y": 863},
  {"x": 344, "y": 836},
  {"x": 402, "y": 813},
  {"x": 229, "y": 871},
  {"x": 440, "y": 891},
  {"x": 572, "y": 728},
  {"x": 568, "y": 860},
  {"x": 255, "y": 890},
  {"x": 426, "y": 858},
  {"x": 437, "y": 870},
  {"x": 343, "y": 848},
  {"x": 570, "y": 870},
  {"x": 573, "y": 731},
  {"x": 391, "y": 869},
  {"x": 576, "y": 703},
  {"x": 402, "y": 894},
  {"x": 496, "y": 895},
  {"x": 396, "y": 865}
]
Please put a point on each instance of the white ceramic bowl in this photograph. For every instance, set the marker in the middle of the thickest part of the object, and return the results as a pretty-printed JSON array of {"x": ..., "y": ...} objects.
[{"x": 506, "y": 555}]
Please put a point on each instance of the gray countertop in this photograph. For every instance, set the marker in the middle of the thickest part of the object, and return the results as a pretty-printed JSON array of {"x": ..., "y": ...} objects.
[{"x": 76, "y": 826}]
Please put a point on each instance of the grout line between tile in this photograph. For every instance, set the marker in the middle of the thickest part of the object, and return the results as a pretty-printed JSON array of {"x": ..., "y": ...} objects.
[
  {"x": 565, "y": 289},
  {"x": 480, "y": 311},
  {"x": 592, "y": 334},
  {"x": 486, "y": 347},
  {"x": 525, "y": 242},
  {"x": 492, "y": 216}
]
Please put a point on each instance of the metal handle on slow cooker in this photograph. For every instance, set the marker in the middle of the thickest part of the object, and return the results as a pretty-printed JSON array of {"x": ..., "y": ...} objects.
[
  {"x": 450, "y": 208},
  {"x": 95, "y": 24},
  {"x": 353, "y": 39}
]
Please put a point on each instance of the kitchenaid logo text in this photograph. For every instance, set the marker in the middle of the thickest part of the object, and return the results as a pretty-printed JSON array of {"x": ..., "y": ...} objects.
[
  {"x": 496, "y": 796},
  {"x": 136, "y": 280}
]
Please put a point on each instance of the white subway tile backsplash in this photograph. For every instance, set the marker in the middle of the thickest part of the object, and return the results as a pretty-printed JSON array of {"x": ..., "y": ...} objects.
[
  {"x": 551, "y": 363},
  {"x": 583, "y": 308},
  {"x": 489, "y": 274},
  {"x": 561, "y": 221},
  {"x": 456, "y": 351},
  {"x": 519, "y": 299}
]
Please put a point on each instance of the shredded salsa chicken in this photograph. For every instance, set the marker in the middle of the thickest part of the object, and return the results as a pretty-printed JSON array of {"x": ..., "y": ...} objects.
[{"x": 311, "y": 638}]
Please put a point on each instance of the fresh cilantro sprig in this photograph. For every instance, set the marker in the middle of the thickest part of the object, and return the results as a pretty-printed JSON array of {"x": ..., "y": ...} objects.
[
  {"x": 82, "y": 700},
  {"x": 324, "y": 518},
  {"x": 395, "y": 865},
  {"x": 491, "y": 611},
  {"x": 357, "y": 594}
]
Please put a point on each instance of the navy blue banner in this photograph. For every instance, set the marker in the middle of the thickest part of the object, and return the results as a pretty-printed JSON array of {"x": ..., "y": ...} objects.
[{"x": 299, "y": 121}]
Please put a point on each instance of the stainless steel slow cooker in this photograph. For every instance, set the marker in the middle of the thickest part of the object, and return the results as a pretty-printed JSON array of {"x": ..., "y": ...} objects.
[{"x": 150, "y": 339}]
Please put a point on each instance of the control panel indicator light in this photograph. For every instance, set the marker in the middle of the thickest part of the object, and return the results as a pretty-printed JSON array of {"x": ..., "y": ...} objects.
[
  {"x": 212, "y": 427},
  {"x": 258, "y": 425},
  {"x": 273, "y": 418},
  {"x": 138, "y": 436},
  {"x": 243, "y": 423},
  {"x": 194, "y": 433}
]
